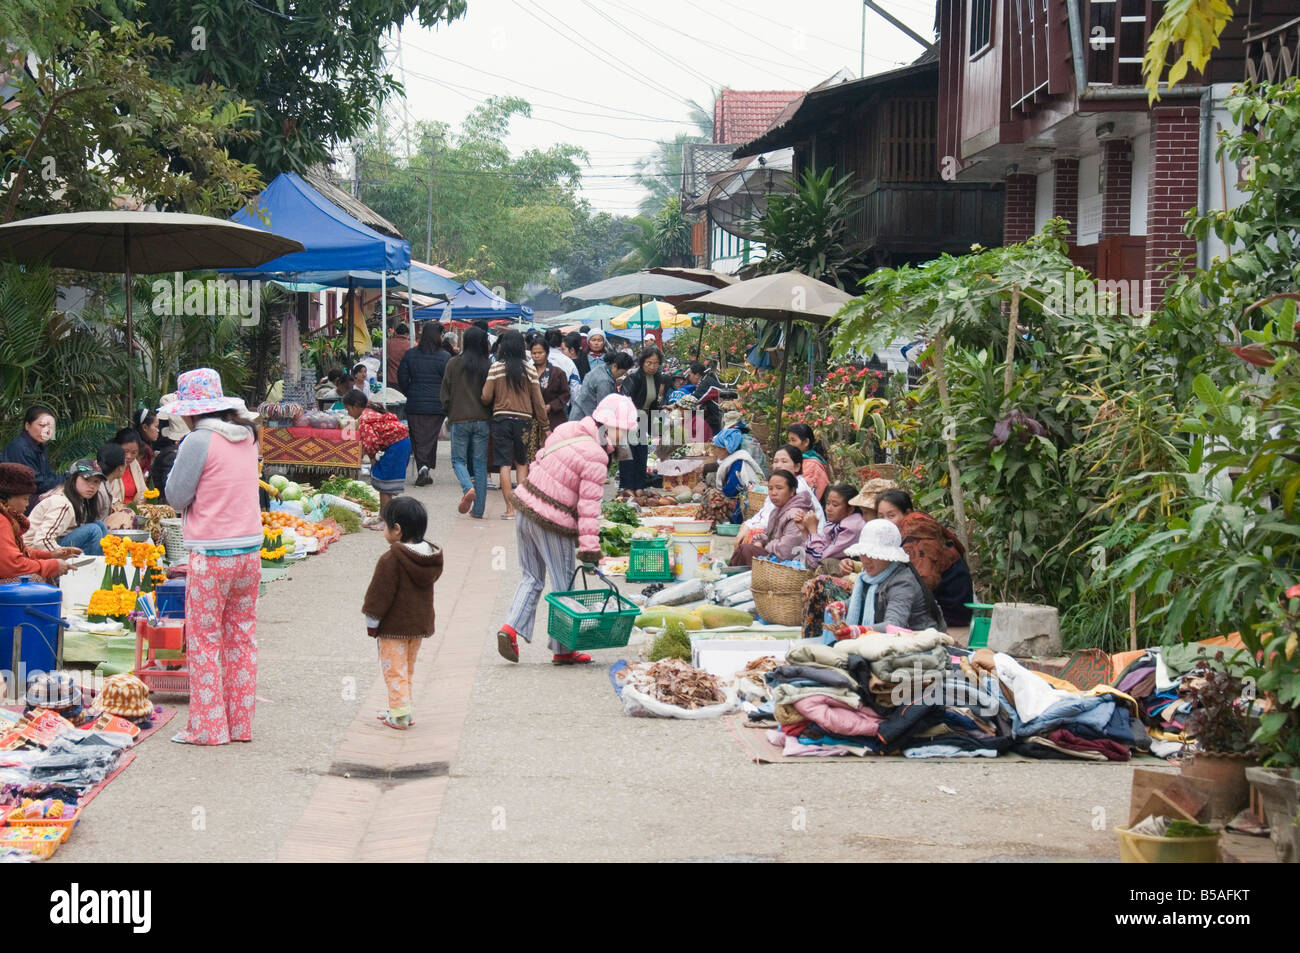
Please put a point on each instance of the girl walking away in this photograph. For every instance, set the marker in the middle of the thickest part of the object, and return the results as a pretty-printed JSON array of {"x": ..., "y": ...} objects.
[
  {"x": 213, "y": 483},
  {"x": 399, "y": 602},
  {"x": 420, "y": 378},
  {"x": 462, "y": 399},
  {"x": 560, "y": 505},
  {"x": 815, "y": 469},
  {"x": 511, "y": 390},
  {"x": 386, "y": 442}
]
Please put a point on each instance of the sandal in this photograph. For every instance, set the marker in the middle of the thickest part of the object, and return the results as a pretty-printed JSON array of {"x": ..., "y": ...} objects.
[
  {"x": 466, "y": 501},
  {"x": 507, "y": 516},
  {"x": 508, "y": 646},
  {"x": 401, "y": 723},
  {"x": 570, "y": 658}
]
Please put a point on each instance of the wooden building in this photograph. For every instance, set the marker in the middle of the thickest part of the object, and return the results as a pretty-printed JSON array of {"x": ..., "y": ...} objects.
[
  {"x": 882, "y": 130},
  {"x": 1047, "y": 97}
]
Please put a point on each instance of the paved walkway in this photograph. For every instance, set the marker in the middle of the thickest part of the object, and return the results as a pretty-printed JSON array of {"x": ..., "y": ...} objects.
[{"x": 534, "y": 762}]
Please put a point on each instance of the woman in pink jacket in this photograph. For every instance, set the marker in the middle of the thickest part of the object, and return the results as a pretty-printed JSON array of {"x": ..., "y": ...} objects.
[
  {"x": 213, "y": 484},
  {"x": 560, "y": 505}
]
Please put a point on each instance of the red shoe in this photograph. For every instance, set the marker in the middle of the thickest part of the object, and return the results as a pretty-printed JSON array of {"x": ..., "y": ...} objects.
[
  {"x": 466, "y": 501},
  {"x": 571, "y": 658},
  {"x": 508, "y": 646}
]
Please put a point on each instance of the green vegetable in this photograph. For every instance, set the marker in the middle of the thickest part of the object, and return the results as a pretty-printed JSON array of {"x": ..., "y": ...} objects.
[
  {"x": 616, "y": 540},
  {"x": 348, "y": 521},
  {"x": 619, "y": 512},
  {"x": 672, "y": 642},
  {"x": 291, "y": 491}
]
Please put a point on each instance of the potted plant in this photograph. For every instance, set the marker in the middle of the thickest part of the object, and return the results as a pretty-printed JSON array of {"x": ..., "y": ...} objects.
[{"x": 1221, "y": 726}]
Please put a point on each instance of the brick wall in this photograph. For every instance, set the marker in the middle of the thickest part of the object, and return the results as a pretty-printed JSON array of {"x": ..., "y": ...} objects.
[
  {"x": 1117, "y": 166},
  {"x": 1019, "y": 208},
  {"x": 1065, "y": 194},
  {"x": 1171, "y": 190}
]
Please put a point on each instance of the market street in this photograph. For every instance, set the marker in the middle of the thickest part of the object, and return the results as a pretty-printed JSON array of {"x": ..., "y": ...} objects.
[{"x": 544, "y": 765}]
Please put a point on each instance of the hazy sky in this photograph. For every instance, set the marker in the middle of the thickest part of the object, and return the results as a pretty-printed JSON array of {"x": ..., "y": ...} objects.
[{"x": 612, "y": 76}]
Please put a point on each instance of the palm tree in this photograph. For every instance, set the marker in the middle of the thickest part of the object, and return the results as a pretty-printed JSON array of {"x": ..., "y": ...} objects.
[{"x": 660, "y": 173}]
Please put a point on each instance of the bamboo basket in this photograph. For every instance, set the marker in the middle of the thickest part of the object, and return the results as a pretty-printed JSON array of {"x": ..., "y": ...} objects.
[{"x": 778, "y": 591}]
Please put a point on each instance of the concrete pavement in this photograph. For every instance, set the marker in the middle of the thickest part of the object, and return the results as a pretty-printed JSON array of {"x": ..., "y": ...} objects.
[{"x": 534, "y": 762}]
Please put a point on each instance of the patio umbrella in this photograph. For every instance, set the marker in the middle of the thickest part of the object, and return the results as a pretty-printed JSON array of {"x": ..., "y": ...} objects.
[
  {"x": 139, "y": 243},
  {"x": 595, "y": 315},
  {"x": 643, "y": 284},
  {"x": 652, "y": 314},
  {"x": 787, "y": 297}
]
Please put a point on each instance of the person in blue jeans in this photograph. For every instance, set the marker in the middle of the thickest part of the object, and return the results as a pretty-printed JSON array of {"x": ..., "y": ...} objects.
[
  {"x": 73, "y": 517},
  {"x": 468, "y": 419}
]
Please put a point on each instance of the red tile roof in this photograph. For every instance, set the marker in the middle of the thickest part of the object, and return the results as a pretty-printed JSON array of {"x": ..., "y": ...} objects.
[{"x": 740, "y": 115}]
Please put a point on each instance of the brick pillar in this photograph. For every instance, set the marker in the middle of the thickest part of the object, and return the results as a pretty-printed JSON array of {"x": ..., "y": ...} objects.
[
  {"x": 1019, "y": 208},
  {"x": 1172, "y": 189},
  {"x": 1116, "y": 204},
  {"x": 1065, "y": 195}
]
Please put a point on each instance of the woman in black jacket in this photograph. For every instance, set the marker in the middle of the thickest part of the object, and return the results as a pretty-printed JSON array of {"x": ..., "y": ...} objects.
[
  {"x": 28, "y": 448},
  {"x": 419, "y": 377},
  {"x": 646, "y": 386}
]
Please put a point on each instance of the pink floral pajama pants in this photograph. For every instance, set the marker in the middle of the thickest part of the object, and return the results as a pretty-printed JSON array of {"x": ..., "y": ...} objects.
[
  {"x": 220, "y": 625},
  {"x": 397, "y": 662}
]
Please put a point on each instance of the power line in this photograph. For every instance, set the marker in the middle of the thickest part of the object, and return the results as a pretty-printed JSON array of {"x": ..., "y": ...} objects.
[
  {"x": 579, "y": 112},
  {"x": 704, "y": 9},
  {"x": 713, "y": 83},
  {"x": 631, "y": 72},
  {"x": 540, "y": 89}
]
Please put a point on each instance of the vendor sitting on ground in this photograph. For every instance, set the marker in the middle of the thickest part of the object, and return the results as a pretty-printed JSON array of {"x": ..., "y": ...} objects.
[
  {"x": 843, "y": 526},
  {"x": 782, "y": 539},
  {"x": 787, "y": 458},
  {"x": 936, "y": 553},
  {"x": 17, "y": 486},
  {"x": 73, "y": 517},
  {"x": 888, "y": 592},
  {"x": 816, "y": 470},
  {"x": 836, "y": 576},
  {"x": 737, "y": 470}
]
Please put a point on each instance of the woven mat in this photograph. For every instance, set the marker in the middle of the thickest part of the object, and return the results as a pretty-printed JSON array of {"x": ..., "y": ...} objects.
[{"x": 753, "y": 741}]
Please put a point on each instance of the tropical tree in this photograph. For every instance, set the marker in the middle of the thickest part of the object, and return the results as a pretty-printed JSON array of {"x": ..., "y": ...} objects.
[
  {"x": 313, "y": 71},
  {"x": 806, "y": 230},
  {"x": 672, "y": 234},
  {"x": 93, "y": 122},
  {"x": 660, "y": 172},
  {"x": 1190, "y": 27},
  {"x": 491, "y": 215}
]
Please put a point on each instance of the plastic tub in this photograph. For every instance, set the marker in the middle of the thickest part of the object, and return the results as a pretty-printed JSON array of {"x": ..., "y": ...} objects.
[{"x": 1144, "y": 849}]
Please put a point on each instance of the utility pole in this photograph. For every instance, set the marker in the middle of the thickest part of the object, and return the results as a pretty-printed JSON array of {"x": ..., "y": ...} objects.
[
  {"x": 356, "y": 171},
  {"x": 428, "y": 224},
  {"x": 893, "y": 21}
]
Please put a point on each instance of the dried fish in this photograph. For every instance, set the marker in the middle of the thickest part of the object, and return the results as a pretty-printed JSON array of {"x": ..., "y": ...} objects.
[{"x": 673, "y": 682}]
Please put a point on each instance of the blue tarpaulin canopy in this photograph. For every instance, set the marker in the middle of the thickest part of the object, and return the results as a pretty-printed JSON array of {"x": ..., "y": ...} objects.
[
  {"x": 423, "y": 280},
  {"x": 471, "y": 302},
  {"x": 332, "y": 239}
]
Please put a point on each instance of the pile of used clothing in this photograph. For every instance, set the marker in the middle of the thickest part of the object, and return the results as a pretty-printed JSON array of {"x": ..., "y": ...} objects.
[
  {"x": 1153, "y": 677},
  {"x": 918, "y": 695}
]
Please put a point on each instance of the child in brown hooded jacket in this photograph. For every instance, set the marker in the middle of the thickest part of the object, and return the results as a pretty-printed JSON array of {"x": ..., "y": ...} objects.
[{"x": 399, "y": 602}]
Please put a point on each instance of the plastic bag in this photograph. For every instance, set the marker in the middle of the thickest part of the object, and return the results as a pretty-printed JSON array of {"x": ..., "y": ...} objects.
[
  {"x": 639, "y": 705},
  {"x": 683, "y": 592}
]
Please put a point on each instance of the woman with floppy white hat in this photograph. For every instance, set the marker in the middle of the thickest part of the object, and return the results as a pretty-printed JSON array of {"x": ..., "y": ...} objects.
[
  {"x": 888, "y": 592},
  {"x": 213, "y": 484}
]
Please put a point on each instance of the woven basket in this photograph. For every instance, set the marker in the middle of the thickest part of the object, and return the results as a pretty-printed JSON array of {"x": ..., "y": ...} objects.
[
  {"x": 779, "y": 608},
  {"x": 174, "y": 541},
  {"x": 773, "y": 577},
  {"x": 755, "y": 500}
]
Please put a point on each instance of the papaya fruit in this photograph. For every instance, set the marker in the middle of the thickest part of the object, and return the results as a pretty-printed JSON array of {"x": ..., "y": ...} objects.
[
  {"x": 660, "y": 616},
  {"x": 715, "y": 617}
]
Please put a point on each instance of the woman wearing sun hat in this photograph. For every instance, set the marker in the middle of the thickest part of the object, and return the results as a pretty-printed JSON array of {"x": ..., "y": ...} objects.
[
  {"x": 213, "y": 484},
  {"x": 888, "y": 592},
  {"x": 559, "y": 505}
]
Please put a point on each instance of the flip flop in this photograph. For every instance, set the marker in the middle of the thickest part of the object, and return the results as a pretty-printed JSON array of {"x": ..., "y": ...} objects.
[
  {"x": 507, "y": 516},
  {"x": 571, "y": 658},
  {"x": 507, "y": 646}
]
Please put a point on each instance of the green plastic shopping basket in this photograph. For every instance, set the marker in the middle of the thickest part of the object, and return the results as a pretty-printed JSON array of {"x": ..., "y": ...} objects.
[{"x": 590, "y": 618}]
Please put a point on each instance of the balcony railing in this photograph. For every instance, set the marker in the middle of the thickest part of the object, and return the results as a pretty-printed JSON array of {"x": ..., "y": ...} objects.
[
  {"x": 1115, "y": 39},
  {"x": 1273, "y": 55}
]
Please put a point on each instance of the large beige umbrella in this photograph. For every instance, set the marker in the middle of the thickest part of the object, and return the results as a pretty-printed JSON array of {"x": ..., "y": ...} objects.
[
  {"x": 643, "y": 284},
  {"x": 788, "y": 297},
  {"x": 139, "y": 243}
]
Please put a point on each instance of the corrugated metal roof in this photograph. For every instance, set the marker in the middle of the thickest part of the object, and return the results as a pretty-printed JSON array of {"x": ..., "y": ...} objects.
[{"x": 740, "y": 115}]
